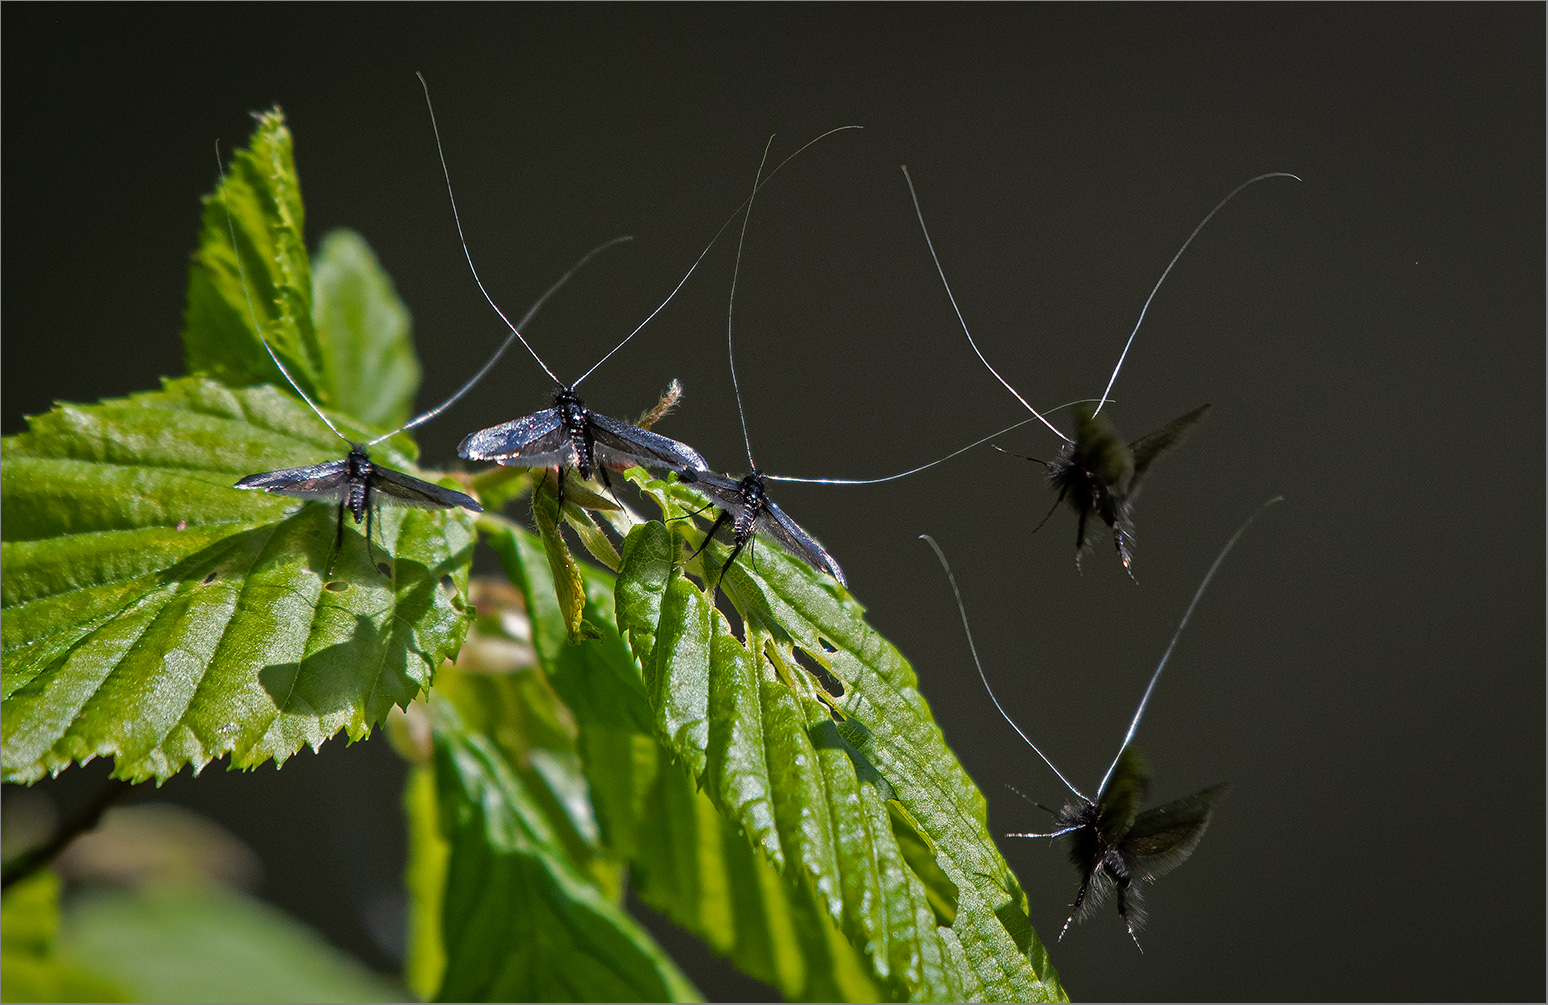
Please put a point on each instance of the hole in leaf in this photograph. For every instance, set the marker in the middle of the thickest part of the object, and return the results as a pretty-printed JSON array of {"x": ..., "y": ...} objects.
[
  {"x": 830, "y": 683},
  {"x": 384, "y": 568},
  {"x": 209, "y": 579},
  {"x": 182, "y": 525},
  {"x": 827, "y": 646},
  {"x": 337, "y": 586}
]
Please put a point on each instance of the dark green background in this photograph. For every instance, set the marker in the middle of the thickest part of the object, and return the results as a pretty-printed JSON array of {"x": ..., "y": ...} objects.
[{"x": 1369, "y": 668}]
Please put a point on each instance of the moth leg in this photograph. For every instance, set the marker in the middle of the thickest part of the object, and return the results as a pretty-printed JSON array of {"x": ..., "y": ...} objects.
[
  {"x": 559, "y": 492},
  {"x": 1050, "y": 512},
  {"x": 1123, "y": 912},
  {"x": 720, "y": 521},
  {"x": 370, "y": 508},
  {"x": 338, "y": 541},
  {"x": 1080, "y": 898},
  {"x": 1080, "y": 537},
  {"x": 607, "y": 483},
  {"x": 740, "y": 544},
  {"x": 696, "y": 512}
]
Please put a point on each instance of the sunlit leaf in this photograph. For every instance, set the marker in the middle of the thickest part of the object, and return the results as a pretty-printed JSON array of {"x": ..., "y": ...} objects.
[
  {"x": 521, "y": 921},
  {"x": 274, "y": 282},
  {"x": 830, "y": 774},
  {"x": 363, "y": 333},
  {"x": 154, "y": 614},
  {"x": 688, "y": 860}
]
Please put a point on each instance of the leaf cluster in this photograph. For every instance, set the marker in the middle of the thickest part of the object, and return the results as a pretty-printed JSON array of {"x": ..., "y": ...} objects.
[{"x": 769, "y": 777}]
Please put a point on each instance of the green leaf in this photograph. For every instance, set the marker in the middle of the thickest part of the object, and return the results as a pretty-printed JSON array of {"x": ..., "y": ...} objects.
[
  {"x": 425, "y": 880},
  {"x": 273, "y": 282},
  {"x": 688, "y": 861},
  {"x": 207, "y": 944},
  {"x": 829, "y": 782},
  {"x": 30, "y": 967},
  {"x": 154, "y": 614},
  {"x": 521, "y": 921},
  {"x": 364, "y": 333}
]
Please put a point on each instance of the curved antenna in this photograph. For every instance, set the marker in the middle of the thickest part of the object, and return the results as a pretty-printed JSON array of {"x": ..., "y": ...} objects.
[
  {"x": 901, "y": 474},
  {"x": 531, "y": 313},
  {"x": 974, "y": 649},
  {"x": 922, "y": 467},
  {"x": 736, "y": 271},
  {"x": 960, "y": 320},
  {"x": 515, "y": 330},
  {"x": 1207, "y": 217},
  {"x": 236, "y": 253},
  {"x": 1134, "y": 725},
  {"x": 707, "y": 247}
]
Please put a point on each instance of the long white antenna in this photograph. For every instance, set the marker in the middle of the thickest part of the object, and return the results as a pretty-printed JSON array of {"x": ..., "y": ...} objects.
[
  {"x": 960, "y": 320},
  {"x": 974, "y": 649},
  {"x": 731, "y": 305},
  {"x": 1134, "y": 725},
  {"x": 531, "y": 313},
  {"x": 711, "y": 244},
  {"x": 515, "y": 330},
  {"x": 236, "y": 252},
  {"x": 922, "y": 467},
  {"x": 1208, "y": 216},
  {"x": 901, "y": 474}
]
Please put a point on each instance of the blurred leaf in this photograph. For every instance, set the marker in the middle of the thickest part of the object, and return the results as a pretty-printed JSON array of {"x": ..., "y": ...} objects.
[
  {"x": 520, "y": 921},
  {"x": 154, "y": 614},
  {"x": 756, "y": 727},
  {"x": 30, "y": 969},
  {"x": 363, "y": 333},
  {"x": 207, "y": 944},
  {"x": 425, "y": 879},
  {"x": 263, "y": 196}
]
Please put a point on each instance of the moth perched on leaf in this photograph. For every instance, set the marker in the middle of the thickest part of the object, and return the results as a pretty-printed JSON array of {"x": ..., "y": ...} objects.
[
  {"x": 356, "y": 483},
  {"x": 1113, "y": 842},
  {"x": 744, "y": 502},
  {"x": 1095, "y": 471},
  {"x": 748, "y": 509},
  {"x": 568, "y": 435}
]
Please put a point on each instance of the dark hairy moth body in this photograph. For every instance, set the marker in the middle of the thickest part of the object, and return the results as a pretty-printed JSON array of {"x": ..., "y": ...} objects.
[
  {"x": 746, "y": 506},
  {"x": 358, "y": 485},
  {"x": 1099, "y": 475}
]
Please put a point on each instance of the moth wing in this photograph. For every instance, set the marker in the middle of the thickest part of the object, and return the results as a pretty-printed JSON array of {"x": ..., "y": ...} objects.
[
  {"x": 1119, "y": 801},
  {"x": 619, "y": 445},
  {"x": 1162, "y": 838},
  {"x": 722, "y": 491},
  {"x": 1152, "y": 445},
  {"x": 328, "y": 480},
  {"x": 538, "y": 440},
  {"x": 398, "y": 489},
  {"x": 799, "y": 543}
]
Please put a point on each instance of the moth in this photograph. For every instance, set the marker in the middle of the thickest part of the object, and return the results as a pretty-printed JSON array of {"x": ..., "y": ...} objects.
[
  {"x": 744, "y": 502},
  {"x": 1099, "y": 475},
  {"x": 355, "y": 483},
  {"x": 1113, "y": 843},
  {"x": 1095, "y": 471},
  {"x": 568, "y": 435}
]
